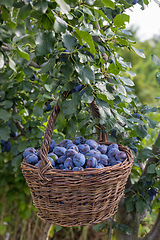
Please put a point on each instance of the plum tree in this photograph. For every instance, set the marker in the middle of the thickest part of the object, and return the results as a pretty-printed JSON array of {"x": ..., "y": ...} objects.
[{"x": 70, "y": 52}]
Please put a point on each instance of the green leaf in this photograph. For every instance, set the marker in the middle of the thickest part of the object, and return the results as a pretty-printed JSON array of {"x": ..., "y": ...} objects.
[
  {"x": 88, "y": 38},
  {"x": 67, "y": 69},
  {"x": 48, "y": 87},
  {"x": 69, "y": 106},
  {"x": 4, "y": 115},
  {"x": 140, "y": 206},
  {"x": 23, "y": 145},
  {"x": 129, "y": 204},
  {"x": 155, "y": 60},
  {"x": 120, "y": 19},
  {"x": 126, "y": 81},
  {"x": 59, "y": 25},
  {"x": 141, "y": 131},
  {"x": 157, "y": 142},
  {"x": 108, "y": 3},
  {"x": 25, "y": 11},
  {"x": 37, "y": 111},
  {"x": 1, "y": 60},
  {"x": 144, "y": 153},
  {"x": 151, "y": 168},
  {"x": 48, "y": 66},
  {"x": 45, "y": 42},
  {"x": 69, "y": 41},
  {"x": 23, "y": 54},
  {"x": 12, "y": 64},
  {"x": 139, "y": 52},
  {"x": 41, "y": 6},
  {"x": 63, "y": 5},
  {"x": 7, "y": 3},
  {"x": 5, "y": 133}
]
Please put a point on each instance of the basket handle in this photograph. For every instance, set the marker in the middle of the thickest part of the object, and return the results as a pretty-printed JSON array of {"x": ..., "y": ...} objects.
[{"x": 48, "y": 134}]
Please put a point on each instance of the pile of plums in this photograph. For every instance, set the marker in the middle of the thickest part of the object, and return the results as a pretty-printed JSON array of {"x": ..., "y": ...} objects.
[{"x": 78, "y": 154}]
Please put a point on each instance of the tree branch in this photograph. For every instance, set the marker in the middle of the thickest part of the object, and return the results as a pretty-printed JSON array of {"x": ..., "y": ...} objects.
[{"x": 154, "y": 234}]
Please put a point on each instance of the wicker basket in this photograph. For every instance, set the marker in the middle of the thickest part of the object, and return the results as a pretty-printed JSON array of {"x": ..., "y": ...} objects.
[{"x": 69, "y": 198}]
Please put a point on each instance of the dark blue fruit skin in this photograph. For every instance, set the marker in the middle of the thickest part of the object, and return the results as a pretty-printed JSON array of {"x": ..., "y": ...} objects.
[
  {"x": 70, "y": 153},
  {"x": 94, "y": 153},
  {"x": 28, "y": 151},
  {"x": 51, "y": 161},
  {"x": 31, "y": 159},
  {"x": 64, "y": 56},
  {"x": 68, "y": 163},
  {"x": 61, "y": 166},
  {"x": 91, "y": 162},
  {"x": 38, "y": 153},
  {"x": 84, "y": 148},
  {"x": 65, "y": 142},
  {"x": 134, "y": 2},
  {"x": 78, "y": 88},
  {"x": 152, "y": 192},
  {"x": 102, "y": 148},
  {"x": 60, "y": 160},
  {"x": 48, "y": 107},
  {"x": 34, "y": 77},
  {"x": 79, "y": 160},
  {"x": 72, "y": 146},
  {"x": 121, "y": 156},
  {"x": 112, "y": 152},
  {"x": 113, "y": 145},
  {"x": 99, "y": 165},
  {"x": 53, "y": 156},
  {"x": 52, "y": 145},
  {"x": 78, "y": 169},
  {"x": 59, "y": 151},
  {"x": 37, "y": 164},
  {"x": 103, "y": 159},
  {"x": 112, "y": 161},
  {"x": 92, "y": 143},
  {"x": 79, "y": 140},
  {"x": 6, "y": 146}
]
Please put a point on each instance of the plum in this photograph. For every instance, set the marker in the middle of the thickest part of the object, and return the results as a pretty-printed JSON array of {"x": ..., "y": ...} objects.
[
  {"x": 53, "y": 156},
  {"x": 94, "y": 153},
  {"x": 103, "y": 159},
  {"x": 68, "y": 163},
  {"x": 31, "y": 159},
  {"x": 61, "y": 166},
  {"x": 113, "y": 145},
  {"x": 65, "y": 142},
  {"x": 59, "y": 151},
  {"x": 112, "y": 161},
  {"x": 112, "y": 152},
  {"x": 121, "y": 156},
  {"x": 51, "y": 161},
  {"x": 52, "y": 145},
  {"x": 99, "y": 165},
  {"x": 70, "y": 153},
  {"x": 102, "y": 148},
  {"x": 79, "y": 140},
  {"x": 72, "y": 146},
  {"x": 84, "y": 148},
  {"x": 91, "y": 162},
  {"x": 28, "y": 151},
  {"x": 60, "y": 160},
  {"x": 92, "y": 143},
  {"x": 79, "y": 159},
  {"x": 78, "y": 169},
  {"x": 37, "y": 164}
]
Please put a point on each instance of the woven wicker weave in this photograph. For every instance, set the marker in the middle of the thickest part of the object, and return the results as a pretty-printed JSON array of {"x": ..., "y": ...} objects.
[{"x": 69, "y": 198}]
